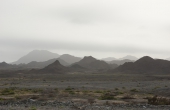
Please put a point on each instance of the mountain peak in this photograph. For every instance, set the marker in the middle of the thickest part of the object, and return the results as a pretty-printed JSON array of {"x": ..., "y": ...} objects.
[
  {"x": 36, "y": 55},
  {"x": 130, "y": 57},
  {"x": 145, "y": 59},
  {"x": 89, "y": 57},
  {"x": 55, "y": 67},
  {"x": 69, "y": 58}
]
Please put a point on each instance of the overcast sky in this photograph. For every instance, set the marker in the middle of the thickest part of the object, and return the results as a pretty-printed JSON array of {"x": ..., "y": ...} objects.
[{"x": 101, "y": 28}]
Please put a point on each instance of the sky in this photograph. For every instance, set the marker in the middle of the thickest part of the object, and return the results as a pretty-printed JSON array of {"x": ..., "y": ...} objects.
[{"x": 101, "y": 28}]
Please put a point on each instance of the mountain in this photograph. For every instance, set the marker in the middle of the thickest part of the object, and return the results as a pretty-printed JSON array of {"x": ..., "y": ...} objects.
[
  {"x": 129, "y": 57},
  {"x": 36, "y": 55},
  {"x": 113, "y": 66},
  {"x": 77, "y": 68},
  {"x": 69, "y": 58},
  {"x": 55, "y": 67},
  {"x": 120, "y": 62},
  {"x": 35, "y": 64},
  {"x": 108, "y": 59},
  {"x": 145, "y": 64},
  {"x": 5, "y": 65},
  {"x": 91, "y": 63}
]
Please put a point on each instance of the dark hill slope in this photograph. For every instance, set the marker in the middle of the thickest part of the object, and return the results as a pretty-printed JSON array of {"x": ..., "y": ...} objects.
[
  {"x": 145, "y": 65},
  {"x": 91, "y": 63},
  {"x": 35, "y": 64},
  {"x": 55, "y": 68},
  {"x": 5, "y": 65}
]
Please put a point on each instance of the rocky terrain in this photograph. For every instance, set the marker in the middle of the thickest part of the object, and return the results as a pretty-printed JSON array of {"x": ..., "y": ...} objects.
[{"x": 31, "y": 104}]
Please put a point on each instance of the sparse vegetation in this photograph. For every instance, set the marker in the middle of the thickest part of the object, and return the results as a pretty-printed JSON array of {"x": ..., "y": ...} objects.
[
  {"x": 7, "y": 91},
  {"x": 33, "y": 108},
  {"x": 155, "y": 100},
  {"x": 134, "y": 90},
  {"x": 107, "y": 96}
]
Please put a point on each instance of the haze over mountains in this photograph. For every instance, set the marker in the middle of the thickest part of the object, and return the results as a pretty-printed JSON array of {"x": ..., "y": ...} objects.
[
  {"x": 127, "y": 64},
  {"x": 120, "y": 62},
  {"x": 128, "y": 57},
  {"x": 108, "y": 59},
  {"x": 44, "y": 57},
  {"x": 35, "y": 64},
  {"x": 41, "y": 58},
  {"x": 69, "y": 58},
  {"x": 37, "y": 55}
]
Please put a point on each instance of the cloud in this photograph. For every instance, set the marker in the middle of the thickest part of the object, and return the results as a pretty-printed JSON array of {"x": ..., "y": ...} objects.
[
  {"x": 76, "y": 46},
  {"x": 118, "y": 26}
]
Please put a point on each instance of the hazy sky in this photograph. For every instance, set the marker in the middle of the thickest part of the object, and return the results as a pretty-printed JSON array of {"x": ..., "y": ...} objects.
[{"x": 102, "y": 28}]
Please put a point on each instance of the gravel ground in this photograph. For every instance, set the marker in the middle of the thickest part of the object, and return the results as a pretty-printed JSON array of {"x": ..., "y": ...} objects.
[{"x": 31, "y": 104}]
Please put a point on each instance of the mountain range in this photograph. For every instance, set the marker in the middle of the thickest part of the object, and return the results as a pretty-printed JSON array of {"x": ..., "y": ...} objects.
[
  {"x": 35, "y": 64},
  {"x": 44, "y": 55},
  {"x": 55, "y": 68},
  {"x": 46, "y": 61},
  {"x": 5, "y": 65},
  {"x": 70, "y": 59},
  {"x": 36, "y": 55},
  {"x": 120, "y": 62},
  {"x": 128, "y": 57},
  {"x": 144, "y": 65},
  {"x": 91, "y": 63}
]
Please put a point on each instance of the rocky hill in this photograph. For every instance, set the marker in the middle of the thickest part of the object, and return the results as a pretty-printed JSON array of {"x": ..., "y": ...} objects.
[
  {"x": 35, "y": 64},
  {"x": 145, "y": 65},
  {"x": 55, "y": 68},
  {"x": 5, "y": 65},
  {"x": 91, "y": 63}
]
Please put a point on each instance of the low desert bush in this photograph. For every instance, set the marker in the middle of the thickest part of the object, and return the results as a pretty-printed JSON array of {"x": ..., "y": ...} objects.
[
  {"x": 107, "y": 96},
  {"x": 7, "y": 91},
  {"x": 49, "y": 93},
  {"x": 33, "y": 108},
  {"x": 116, "y": 89},
  {"x": 127, "y": 97},
  {"x": 68, "y": 89},
  {"x": 134, "y": 90},
  {"x": 159, "y": 100},
  {"x": 91, "y": 101},
  {"x": 98, "y": 91}
]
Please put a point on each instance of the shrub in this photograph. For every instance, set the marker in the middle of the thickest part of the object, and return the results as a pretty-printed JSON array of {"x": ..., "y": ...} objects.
[
  {"x": 116, "y": 89},
  {"x": 107, "y": 96},
  {"x": 123, "y": 87},
  {"x": 134, "y": 90},
  {"x": 33, "y": 108},
  {"x": 158, "y": 100},
  {"x": 127, "y": 97},
  {"x": 91, "y": 101},
  {"x": 68, "y": 89},
  {"x": 98, "y": 91},
  {"x": 71, "y": 92},
  {"x": 49, "y": 92},
  {"x": 7, "y": 91}
]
